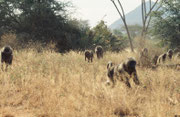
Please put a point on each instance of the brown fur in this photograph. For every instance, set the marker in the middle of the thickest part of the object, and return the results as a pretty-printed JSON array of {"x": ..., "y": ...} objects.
[
  {"x": 6, "y": 56},
  {"x": 155, "y": 59},
  {"x": 89, "y": 55},
  {"x": 170, "y": 54},
  {"x": 162, "y": 58},
  {"x": 123, "y": 72},
  {"x": 166, "y": 56},
  {"x": 99, "y": 52}
]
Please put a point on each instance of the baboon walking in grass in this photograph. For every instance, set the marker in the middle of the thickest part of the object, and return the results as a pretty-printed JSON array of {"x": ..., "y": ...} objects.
[
  {"x": 123, "y": 72},
  {"x": 89, "y": 55},
  {"x": 162, "y": 58},
  {"x": 99, "y": 51},
  {"x": 166, "y": 56},
  {"x": 6, "y": 56}
]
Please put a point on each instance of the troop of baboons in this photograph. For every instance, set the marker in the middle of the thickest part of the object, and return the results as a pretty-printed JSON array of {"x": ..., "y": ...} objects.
[
  {"x": 6, "y": 56},
  {"x": 165, "y": 56},
  {"x": 127, "y": 69},
  {"x": 89, "y": 53},
  {"x": 122, "y": 72}
]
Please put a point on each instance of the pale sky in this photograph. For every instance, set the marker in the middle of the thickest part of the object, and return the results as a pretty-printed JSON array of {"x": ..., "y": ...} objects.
[{"x": 95, "y": 10}]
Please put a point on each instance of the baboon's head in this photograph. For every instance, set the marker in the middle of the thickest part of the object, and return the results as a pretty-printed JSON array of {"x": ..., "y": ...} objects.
[
  {"x": 170, "y": 53},
  {"x": 110, "y": 64},
  {"x": 98, "y": 48},
  {"x": 130, "y": 65},
  {"x": 88, "y": 53},
  {"x": 7, "y": 50}
]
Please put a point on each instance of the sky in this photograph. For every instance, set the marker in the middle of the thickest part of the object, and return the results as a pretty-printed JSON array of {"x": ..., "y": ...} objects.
[{"x": 96, "y": 10}]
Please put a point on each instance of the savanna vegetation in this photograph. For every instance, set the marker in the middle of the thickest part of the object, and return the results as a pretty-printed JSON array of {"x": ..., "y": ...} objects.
[{"x": 49, "y": 84}]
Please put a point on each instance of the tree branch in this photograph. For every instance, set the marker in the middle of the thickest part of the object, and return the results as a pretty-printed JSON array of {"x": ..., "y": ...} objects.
[
  {"x": 152, "y": 8},
  {"x": 144, "y": 8},
  {"x": 147, "y": 26},
  {"x": 118, "y": 11},
  {"x": 122, "y": 9}
]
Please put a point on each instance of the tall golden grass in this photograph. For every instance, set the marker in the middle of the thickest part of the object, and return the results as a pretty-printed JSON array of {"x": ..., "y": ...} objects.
[{"x": 49, "y": 84}]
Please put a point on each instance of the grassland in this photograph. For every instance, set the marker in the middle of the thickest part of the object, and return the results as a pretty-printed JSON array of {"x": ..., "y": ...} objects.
[{"x": 49, "y": 84}]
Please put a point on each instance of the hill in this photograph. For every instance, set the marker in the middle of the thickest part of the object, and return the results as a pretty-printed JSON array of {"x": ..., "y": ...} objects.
[{"x": 133, "y": 17}]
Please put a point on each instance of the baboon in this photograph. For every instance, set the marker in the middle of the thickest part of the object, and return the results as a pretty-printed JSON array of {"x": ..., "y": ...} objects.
[
  {"x": 155, "y": 59},
  {"x": 144, "y": 52},
  {"x": 170, "y": 54},
  {"x": 162, "y": 58},
  {"x": 166, "y": 56},
  {"x": 89, "y": 55},
  {"x": 123, "y": 72},
  {"x": 99, "y": 51},
  {"x": 6, "y": 56},
  {"x": 143, "y": 57}
]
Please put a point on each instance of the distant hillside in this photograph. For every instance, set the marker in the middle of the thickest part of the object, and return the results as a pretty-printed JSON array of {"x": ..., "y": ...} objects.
[{"x": 133, "y": 17}]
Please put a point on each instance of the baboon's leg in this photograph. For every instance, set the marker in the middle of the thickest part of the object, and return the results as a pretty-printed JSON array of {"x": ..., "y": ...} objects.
[
  {"x": 91, "y": 59},
  {"x": 127, "y": 82},
  {"x": 6, "y": 67},
  {"x": 10, "y": 61},
  {"x": 135, "y": 78},
  {"x": 113, "y": 81},
  {"x": 85, "y": 58}
]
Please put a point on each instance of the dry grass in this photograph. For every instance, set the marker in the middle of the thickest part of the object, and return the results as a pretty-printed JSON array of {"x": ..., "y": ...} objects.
[{"x": 49, "y": 84}]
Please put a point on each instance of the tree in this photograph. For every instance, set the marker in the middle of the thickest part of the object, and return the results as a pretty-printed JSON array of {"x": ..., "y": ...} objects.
[
  {"x": 103, "y": 36},
  {"x": 44, "y": 21},
  {"x": 166, "y": 23},
  {"x": 134, "y": 30},
  {"x": 123, "y": 17}
]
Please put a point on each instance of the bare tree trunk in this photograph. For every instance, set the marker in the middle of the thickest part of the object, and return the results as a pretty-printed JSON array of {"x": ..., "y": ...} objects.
[
  {"x": 122, "y": 15},
  {"x": 146, "y": 17}
]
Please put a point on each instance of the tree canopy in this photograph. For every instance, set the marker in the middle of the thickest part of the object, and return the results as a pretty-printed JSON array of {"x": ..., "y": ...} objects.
[
  {"x": 48, "y": 21},
  {"x": 42, "y": 20},
  {"x": 166, "y": 23},
  {"x": 104, "y": 37}
]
